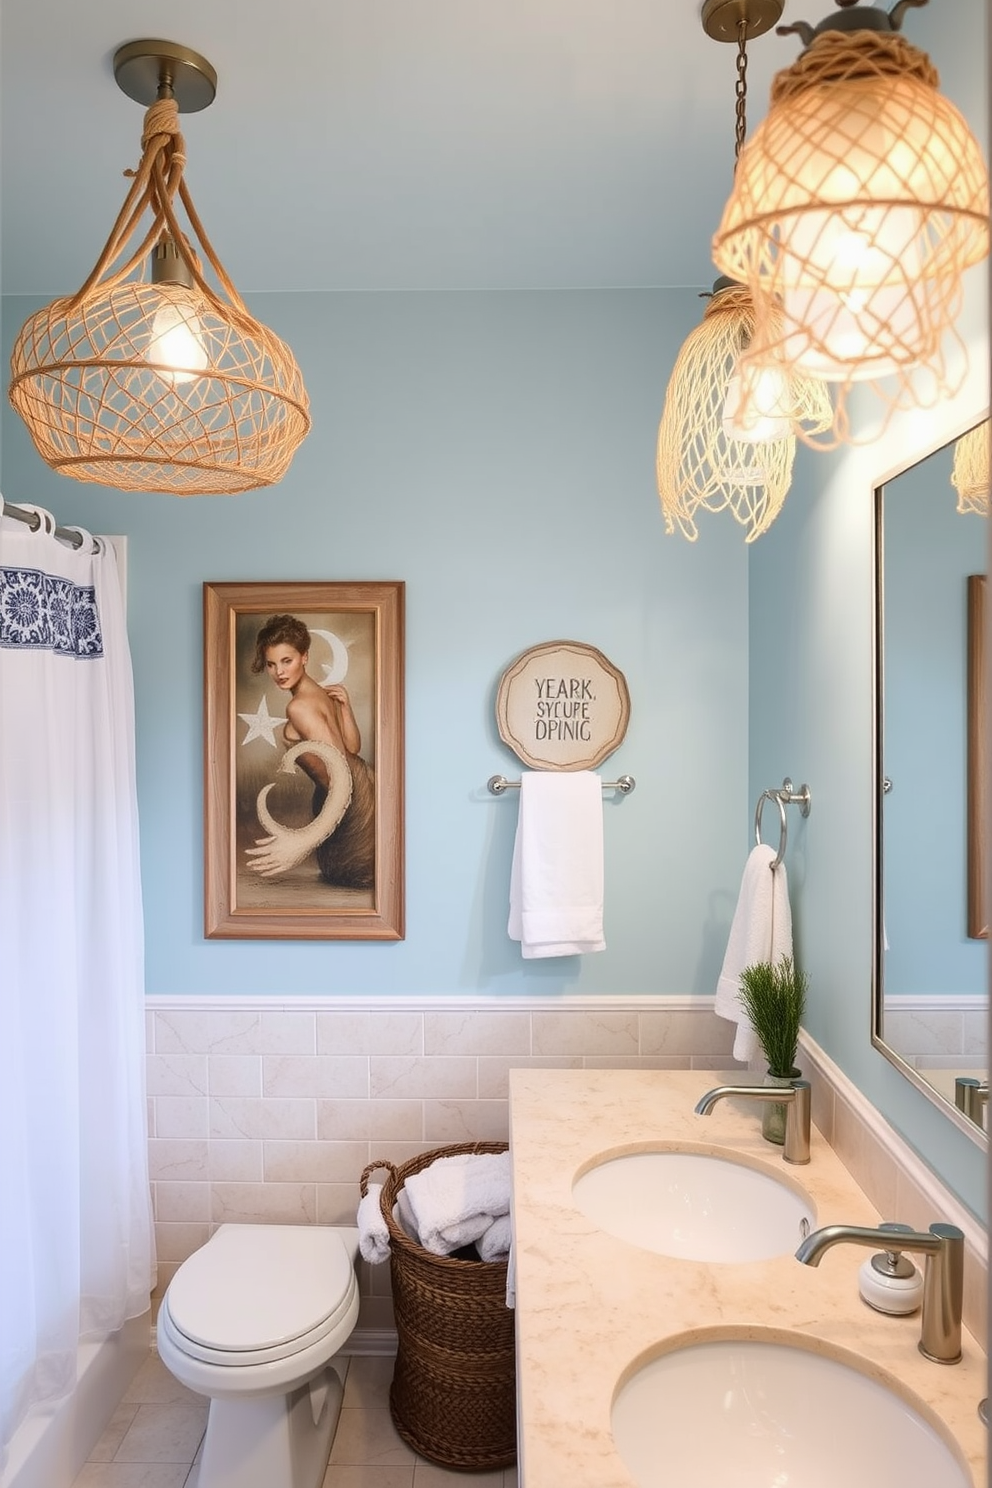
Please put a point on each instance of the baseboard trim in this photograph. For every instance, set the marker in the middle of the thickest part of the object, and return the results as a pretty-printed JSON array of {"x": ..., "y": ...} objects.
[
  {"x": 936, "y": 1002},
  {"x": 371, "y": 1343}
]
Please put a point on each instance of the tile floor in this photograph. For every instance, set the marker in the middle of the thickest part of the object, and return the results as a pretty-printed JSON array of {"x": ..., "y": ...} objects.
[{"x": 154, "y": 1436}]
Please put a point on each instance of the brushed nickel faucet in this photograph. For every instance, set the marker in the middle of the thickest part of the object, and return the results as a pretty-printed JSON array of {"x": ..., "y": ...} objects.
[
  {"x": 943, "y": 1278},
  {"x": 972, "y": 1097},
  {"x": 795, "y": 1098}
]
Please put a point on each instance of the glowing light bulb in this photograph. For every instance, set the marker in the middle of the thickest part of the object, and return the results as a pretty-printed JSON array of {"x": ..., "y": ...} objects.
[
  {"x": 176, "y": 348},
  {"x": 758, "y": 405}
]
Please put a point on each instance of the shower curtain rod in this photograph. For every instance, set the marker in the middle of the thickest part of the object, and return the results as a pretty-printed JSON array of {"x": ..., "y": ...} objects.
[{"x": 71, "y": 535}]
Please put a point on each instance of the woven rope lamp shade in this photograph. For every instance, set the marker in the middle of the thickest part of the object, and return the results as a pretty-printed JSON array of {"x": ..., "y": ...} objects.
[
  {"x": 970, "y": 473},
  {"x": 699, "y": 466},
  {"x": 149, "y": 379},
  {"x": 857, "y": 205}
]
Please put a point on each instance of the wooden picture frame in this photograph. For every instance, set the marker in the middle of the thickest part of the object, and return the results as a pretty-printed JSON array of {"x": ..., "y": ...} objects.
[
  {"x": 978, "y": 761},
  {"x": 303, "y": 761}
]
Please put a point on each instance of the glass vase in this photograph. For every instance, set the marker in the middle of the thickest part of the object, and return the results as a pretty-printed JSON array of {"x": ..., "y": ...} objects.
[{"x": 772, "y": 1113}]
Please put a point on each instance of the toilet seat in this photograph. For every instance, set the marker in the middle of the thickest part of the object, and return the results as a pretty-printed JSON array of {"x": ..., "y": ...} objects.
[{"x": 258, "y": 1293}]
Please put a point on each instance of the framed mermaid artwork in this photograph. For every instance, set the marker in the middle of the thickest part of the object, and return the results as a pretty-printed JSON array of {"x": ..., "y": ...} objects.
[{"x": 303, "y": 761}]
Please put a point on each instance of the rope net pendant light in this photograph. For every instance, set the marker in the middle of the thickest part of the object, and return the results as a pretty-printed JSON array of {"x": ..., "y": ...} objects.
[
  {"x": 147, "y": 378},
  {"x": 970, "y": 473},
  {"x": 857, "y": 205},
  {"x": 726, "y": 440},
  {"x": 699, "y": 465}
]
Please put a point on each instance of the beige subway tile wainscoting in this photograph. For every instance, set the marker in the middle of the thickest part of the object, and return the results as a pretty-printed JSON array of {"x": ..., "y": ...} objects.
[{"x": 265, "y": 1113}]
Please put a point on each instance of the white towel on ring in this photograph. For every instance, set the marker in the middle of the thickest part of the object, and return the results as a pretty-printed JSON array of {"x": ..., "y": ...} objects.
[
  {"x": 761, "y": 930},
  {"x": 556, "y": 879},
  {"x": 455, "y": 1199}
]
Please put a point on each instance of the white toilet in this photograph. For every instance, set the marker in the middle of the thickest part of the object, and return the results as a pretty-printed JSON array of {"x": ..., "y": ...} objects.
[{"x": 254, "y": 1320}]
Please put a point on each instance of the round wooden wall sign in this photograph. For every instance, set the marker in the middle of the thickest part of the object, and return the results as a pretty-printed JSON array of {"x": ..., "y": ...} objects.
[{"x": 562, "y": 706}]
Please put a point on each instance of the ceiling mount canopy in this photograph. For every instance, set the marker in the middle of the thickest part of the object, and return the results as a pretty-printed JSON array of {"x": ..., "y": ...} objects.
[
  {"x": 857, "y": 205},
  {"x": 148, "y": 378},
  {"x": 723, "y": 19},
  {"x": 148, "y": 70}
]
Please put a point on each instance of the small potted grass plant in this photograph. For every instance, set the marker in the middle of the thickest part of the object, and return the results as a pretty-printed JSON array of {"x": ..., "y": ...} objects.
[{"x": 774, "y": 999}]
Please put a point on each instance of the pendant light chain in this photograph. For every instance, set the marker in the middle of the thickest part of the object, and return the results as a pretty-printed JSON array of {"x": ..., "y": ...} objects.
[{"x": 741, "y": 90}]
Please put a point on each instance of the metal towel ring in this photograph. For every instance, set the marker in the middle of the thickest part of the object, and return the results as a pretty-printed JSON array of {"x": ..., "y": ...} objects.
[
  {"x": 783, "y": 797},
  {"x": 783, "y": 826}
]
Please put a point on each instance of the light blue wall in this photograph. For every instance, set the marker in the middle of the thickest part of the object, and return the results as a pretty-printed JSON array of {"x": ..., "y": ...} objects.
[{"x": 496, "y": 452}]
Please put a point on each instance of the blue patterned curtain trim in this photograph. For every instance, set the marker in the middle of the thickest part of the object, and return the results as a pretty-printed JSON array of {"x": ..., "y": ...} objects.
[{"x": 43, "y": 612}]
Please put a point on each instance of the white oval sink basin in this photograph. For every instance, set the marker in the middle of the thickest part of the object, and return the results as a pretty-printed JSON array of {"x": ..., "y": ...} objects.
[
  {"x": 758, "y": 1414},
  {"x": 698, "y": 1205}
]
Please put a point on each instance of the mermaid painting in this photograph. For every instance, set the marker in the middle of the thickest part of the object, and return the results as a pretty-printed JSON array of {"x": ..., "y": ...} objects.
[{"x": 323, "y": 739}]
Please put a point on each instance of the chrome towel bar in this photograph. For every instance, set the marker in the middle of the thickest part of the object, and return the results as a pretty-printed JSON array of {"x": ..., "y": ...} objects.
[{"x": 497, "y": 784}]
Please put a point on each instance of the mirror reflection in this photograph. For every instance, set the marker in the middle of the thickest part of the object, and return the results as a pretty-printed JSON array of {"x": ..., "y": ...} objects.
[{"x": 930, "y": 987}]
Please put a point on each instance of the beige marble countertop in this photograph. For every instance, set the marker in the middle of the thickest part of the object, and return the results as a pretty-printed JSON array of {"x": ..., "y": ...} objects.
[{"x": 588, "y": 1305}]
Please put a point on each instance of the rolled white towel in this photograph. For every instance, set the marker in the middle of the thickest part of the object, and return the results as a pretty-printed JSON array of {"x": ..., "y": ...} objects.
[
  {"x": 373, "y": 1235},
  {"x": 511, "y": 1277},
  {"x": 494, "y": 1244}
]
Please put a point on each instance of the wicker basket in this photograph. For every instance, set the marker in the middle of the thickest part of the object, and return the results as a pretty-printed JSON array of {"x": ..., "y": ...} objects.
[{"x": 453, "y": 1395}]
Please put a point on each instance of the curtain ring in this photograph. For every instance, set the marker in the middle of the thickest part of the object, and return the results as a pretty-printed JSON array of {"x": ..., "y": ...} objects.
[
  {"x": 783, "y": 828},
  {"x": 45, "y": 518},
  {"x": 84, "y": 538}
]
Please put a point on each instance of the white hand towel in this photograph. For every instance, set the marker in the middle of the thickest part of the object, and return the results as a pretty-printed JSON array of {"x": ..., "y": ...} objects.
[
  {"x": 373, "y": 1235},
  {"x": 494, "y": 1244},
  {"x": 556, "y": 881},
  {"x": 455, "y": 1199},
  {"x": 761, "y": 930}
]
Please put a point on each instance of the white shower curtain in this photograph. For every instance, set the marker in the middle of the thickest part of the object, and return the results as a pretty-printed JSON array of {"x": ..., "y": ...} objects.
[{"x": 76, "y": 1246}]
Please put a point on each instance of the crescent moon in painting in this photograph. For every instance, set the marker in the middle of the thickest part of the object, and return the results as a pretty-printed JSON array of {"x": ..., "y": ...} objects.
[{"x": 337, "y": 668}]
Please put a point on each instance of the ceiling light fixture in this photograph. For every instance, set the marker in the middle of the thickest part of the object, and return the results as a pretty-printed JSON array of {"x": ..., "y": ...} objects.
[
  {"x": 857, "y": 204},
  {"x": 970, "y": 474},
  {"x": 147, "y": 378},
  {"x": 726, "y": 440}
]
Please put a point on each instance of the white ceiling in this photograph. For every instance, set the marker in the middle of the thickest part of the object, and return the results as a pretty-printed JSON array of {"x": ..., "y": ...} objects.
[{"x": 393, "y": 144}]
